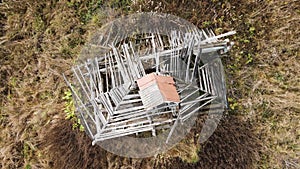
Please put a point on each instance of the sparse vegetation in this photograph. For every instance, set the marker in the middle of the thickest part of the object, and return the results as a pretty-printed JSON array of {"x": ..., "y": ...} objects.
[
  {"x": 70, "y": 111},
  {"x": 40, "y": 40}
]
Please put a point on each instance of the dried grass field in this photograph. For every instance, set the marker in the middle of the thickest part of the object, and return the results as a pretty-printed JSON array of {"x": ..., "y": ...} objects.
[{"x": 39, "y": 40}]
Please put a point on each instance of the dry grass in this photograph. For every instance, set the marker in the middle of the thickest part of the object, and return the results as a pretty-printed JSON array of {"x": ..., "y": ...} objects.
[
  {"x": 274, "y": 101},
  {"x": 41, "y": 39}
]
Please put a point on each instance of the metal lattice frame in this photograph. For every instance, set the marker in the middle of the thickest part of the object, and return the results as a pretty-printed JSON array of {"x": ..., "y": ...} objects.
[{"x": 108, "y": 98}]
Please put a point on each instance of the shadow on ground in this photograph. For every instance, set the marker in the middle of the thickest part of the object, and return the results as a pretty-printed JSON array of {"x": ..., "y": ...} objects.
[{"x": 233, "y": 145}]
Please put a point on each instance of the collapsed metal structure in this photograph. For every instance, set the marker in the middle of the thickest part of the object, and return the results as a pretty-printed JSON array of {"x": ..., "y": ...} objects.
[{"x": 149, "y": 82}]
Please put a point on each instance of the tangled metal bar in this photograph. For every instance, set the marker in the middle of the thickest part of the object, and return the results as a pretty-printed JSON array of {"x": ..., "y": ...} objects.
[{"x": 109, "y": 97}]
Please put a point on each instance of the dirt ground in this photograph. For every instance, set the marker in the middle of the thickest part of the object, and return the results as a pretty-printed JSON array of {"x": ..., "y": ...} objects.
[{"x": 39, "y": 40}]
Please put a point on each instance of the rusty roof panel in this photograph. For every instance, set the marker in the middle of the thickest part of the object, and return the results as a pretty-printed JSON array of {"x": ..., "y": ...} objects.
[{"x": 157, "y": 89}]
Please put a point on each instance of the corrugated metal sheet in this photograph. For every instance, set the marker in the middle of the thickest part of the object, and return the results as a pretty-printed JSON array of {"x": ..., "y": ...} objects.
[{"x": 157, "y": 89}]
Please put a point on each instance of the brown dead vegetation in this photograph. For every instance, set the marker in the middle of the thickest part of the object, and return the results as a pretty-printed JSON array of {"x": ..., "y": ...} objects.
[
  {"x": 233, "y": 145},
  {"x": 39, "y": 40}
]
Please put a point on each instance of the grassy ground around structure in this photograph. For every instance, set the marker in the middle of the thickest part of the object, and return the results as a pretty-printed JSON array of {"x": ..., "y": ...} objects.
[{"x": 39, "y": 40}]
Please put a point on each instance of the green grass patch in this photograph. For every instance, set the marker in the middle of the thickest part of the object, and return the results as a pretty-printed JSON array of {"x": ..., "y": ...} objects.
[{"x": 70, "y": 111}]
